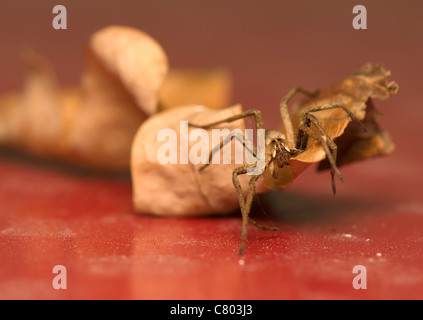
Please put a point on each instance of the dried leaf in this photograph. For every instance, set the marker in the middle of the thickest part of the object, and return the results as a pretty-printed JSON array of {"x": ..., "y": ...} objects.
[
  {"x": 210, "y": 88},
  {"x": 355, "y": 92},
  {"x": 181, "y": 189},
  {"x": 93, "y": 125}
]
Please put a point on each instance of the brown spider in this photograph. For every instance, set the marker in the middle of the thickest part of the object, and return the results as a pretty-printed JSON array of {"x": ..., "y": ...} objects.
[{"x": 279, "y": 148}]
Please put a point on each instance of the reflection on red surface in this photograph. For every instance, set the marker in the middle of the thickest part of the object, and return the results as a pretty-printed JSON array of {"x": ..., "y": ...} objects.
[{"x": 53, "y": 217}]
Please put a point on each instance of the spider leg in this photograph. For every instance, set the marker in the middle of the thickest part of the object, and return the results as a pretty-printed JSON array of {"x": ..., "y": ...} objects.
[
  {"x": 245, "y": 204},
  {"x": 223, "y": 143},
  {"x": 327, "y": 143},
  {"x": 305, "y": 129},
  {"x": 252, "y": 112},
  {"x": 286, "y": 118},
  {"x": 338, "y": 106},
  {"x": 262, "y": 227}
]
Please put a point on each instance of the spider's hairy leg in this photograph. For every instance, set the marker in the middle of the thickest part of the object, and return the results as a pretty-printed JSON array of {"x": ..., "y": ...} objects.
[
  {"x": 245, "y": 204},
  {"x": 260, "y": 226},
  {"x": 338, "y": 106},
  {"x": 327, "y": 143},
  {"x": 306, "y": 131},
  {"x": 226, "y": 141},
  {"x": 286, "y": 118},
  {"x": 251, "y": 112}
]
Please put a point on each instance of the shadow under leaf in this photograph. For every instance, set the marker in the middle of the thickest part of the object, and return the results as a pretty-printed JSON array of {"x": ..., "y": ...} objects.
[{"x": 296, "y": 208}]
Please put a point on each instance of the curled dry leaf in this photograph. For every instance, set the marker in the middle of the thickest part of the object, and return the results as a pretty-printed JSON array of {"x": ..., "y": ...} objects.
[
  {"x": 125, "y": 69},
  {"x": 356, "y": 93},
  {"x": 182, "y": 189},
  {"x": 210, "y": 88},
  {"x": 93, "y": 125}
]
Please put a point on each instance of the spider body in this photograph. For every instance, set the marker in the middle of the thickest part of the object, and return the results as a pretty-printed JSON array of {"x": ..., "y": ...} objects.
[{"x": 277, "y": 152}]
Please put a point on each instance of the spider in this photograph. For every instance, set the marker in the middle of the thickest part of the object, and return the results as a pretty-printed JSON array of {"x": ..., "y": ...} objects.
[{"x": 279, "y": 148}]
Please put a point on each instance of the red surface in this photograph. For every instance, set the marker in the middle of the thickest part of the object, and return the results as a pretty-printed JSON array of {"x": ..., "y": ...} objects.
[{"x": 55, "y": 216}]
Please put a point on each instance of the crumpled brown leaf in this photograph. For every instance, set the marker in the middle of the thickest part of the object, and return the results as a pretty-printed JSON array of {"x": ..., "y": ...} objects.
[
  {"x": 180, "y": 189},
  {"x": 176, "y": 189},
  {"x": 93, "y": 125},
  {"x": 356, "y": 93},
  {"x": 207, "y": 87}
]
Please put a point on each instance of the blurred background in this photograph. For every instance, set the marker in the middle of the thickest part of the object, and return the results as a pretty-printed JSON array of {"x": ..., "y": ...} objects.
[{"x": 268, "y": 46}]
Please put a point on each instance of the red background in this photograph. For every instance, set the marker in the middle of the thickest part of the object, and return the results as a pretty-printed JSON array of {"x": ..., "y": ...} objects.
[{"x": 50, "y": 215}]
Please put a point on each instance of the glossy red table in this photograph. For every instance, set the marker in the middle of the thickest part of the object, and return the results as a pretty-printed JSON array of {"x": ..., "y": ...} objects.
[{"x": 52, "y": 215}]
